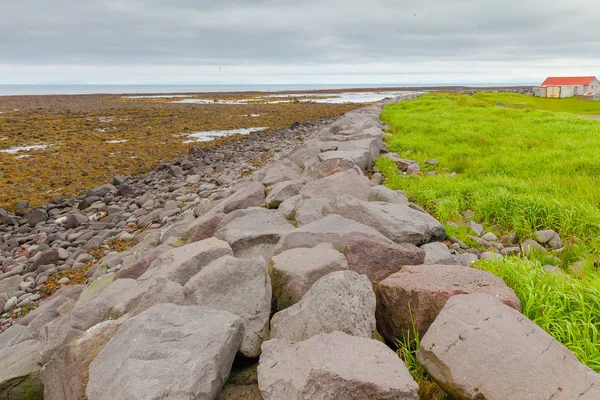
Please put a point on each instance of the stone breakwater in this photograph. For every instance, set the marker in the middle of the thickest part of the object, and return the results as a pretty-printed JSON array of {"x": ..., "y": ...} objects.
[{"x": 272, "y": 286}]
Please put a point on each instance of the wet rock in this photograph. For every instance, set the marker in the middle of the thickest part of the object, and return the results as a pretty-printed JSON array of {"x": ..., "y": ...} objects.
[
  {"x": 192, "y": 349},
  {"x": 346, "y": 367},
  {"x": 242, "y": 287},
  {"x": 340, "y": 301},
  {"x": 414, "y": 296},
  {"x": 477, "y": 329}
]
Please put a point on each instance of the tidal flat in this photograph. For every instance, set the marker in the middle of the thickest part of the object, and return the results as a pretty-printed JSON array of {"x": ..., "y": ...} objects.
[{"x": 58, "y": 146}]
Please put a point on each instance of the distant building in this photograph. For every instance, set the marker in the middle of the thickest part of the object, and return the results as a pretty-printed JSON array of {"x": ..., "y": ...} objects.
[{"x": 568, "y": 86}]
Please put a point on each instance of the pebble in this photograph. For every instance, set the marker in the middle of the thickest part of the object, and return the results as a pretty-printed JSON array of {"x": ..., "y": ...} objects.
[{"x": 64, "y": 281}]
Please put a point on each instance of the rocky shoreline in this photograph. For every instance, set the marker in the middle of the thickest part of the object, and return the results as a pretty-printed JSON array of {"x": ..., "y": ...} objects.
[{"x": 285, "y": 272}]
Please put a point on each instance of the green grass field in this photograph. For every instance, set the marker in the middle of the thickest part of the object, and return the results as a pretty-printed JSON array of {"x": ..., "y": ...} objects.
[{"x": 522, "y": 164}]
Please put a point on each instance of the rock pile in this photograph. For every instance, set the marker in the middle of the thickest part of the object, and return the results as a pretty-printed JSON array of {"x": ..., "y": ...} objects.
[{"x": 271, "y": 286}]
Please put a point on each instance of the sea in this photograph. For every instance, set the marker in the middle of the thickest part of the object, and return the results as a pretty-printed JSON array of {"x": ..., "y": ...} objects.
[{"x": 21, "y": 90}]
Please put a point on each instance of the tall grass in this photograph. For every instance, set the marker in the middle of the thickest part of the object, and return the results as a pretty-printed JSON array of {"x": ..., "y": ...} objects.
[
  {"x": 520, "y": 170},
  {"x": 566, "y": 307}
]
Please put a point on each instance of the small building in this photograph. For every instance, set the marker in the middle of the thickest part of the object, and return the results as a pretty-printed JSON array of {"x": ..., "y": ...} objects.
[{"x": 568, "y": 86}]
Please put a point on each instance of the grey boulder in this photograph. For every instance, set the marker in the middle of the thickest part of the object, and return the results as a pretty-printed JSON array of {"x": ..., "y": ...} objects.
[
  {"x": 241, "y": 287},
  {"x": 168, "y": 351},
  {"x": 333, "y": 366},
  {"x": 341, "y": 301},
  {"x": 438, "y": 253},
  {"x": 479, "y": 348},
  {"x": 398, "y": 222},
  {"x": 294, "y": 271},
  {"x": 180, "y": 264},
  {"x": 414, "y": 296},
  {"x": 253, "y": 232},
  {"x": 350, "y": 182}
]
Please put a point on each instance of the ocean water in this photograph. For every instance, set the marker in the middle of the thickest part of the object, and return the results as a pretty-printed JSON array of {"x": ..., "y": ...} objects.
[{"x": 18, "y": 90}]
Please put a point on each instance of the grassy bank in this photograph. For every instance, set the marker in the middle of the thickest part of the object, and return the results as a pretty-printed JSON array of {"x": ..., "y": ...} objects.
[{"x": 519, "y": 168}]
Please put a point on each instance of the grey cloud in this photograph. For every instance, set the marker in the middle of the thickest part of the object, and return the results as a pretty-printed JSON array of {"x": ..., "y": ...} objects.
[{"x": 237, "y": 32}]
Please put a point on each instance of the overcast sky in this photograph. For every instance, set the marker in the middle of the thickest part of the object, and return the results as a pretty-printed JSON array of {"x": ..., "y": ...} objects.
[{"x": 296, "y": 41}]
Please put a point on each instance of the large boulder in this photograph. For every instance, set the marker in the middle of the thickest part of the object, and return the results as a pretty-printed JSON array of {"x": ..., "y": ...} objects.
[
  {"x": 360, "y": 157},
  {"x": 280, "y": 171},
  {"x": 282, "y": 191},
  {"x": 398, "y": 222},
  {"x": 414, "y": 296},
  {"x": 180, "y": 264},
  {"x": 123, "y": 296},
  {"x": 333, "y": 366},
  {"x": 341, "y": 301},
  {"x": 168, "y": 351},
  {"x": 294, "y": 271},
  {"x": 242, "y": 287},
  {"x": 332, "y": 229},
  {"x": 19, "y": 371},
  {"x": 204, "y": 227},
  {"x": 350, "y": 182},
  {"x": 250, "y": 194},
  {"x": 66, "y": 375},
  {"x": 254, "y": 231},
  {"x": 479, "y": 348},
  {"x": 329, "y": 166},
  {"x": 377, "y": 258}
]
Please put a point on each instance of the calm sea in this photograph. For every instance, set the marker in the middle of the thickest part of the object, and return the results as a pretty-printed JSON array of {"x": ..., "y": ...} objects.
[{"x": 16, "y": 90}]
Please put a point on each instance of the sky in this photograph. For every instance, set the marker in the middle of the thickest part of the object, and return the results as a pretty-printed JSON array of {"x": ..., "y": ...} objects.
[{"x": 302, "y": 42}]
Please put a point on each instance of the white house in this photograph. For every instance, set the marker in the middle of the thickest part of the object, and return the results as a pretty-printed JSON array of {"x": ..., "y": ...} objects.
[{"x": 568, "y": 86}]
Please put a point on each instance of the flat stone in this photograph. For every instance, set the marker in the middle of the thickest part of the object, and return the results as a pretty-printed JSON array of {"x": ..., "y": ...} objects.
[
  {"x": 191, "y": 350},
  {"x": 180, "y": 264},
  {"x": 254, "y": 231},
  {"x": 414, "y": 296},
  {"x": 333, "y": 365},
  {"x": 398, "y": 222},
  {"x": 475, "y": 330},
  {"x": 343, "y": 183}
]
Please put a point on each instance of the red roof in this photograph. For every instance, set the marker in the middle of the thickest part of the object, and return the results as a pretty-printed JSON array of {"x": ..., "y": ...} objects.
[{"x": 569, "y": 81}]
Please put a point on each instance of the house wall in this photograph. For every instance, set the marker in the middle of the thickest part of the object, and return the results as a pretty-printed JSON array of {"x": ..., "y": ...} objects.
[
  {"x": 539, "y": 91},
  {"x": 567, "y": 91},
  {"x": 553, "y": 91}
]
